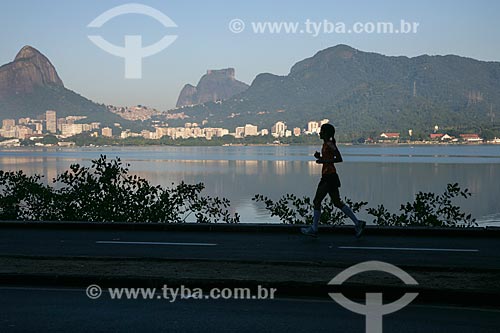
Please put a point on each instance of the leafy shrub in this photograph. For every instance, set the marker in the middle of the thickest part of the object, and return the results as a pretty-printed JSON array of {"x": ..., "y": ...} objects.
[
  {"x": 293, "y": 210},
  {"x": 23, "y": 197},
  {"x": 429, "y": 210},
  {"x": 105, "y": 192}
]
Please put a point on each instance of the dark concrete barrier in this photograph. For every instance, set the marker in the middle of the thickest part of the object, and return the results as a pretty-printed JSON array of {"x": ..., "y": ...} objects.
[{"x": 254, "y": 227}]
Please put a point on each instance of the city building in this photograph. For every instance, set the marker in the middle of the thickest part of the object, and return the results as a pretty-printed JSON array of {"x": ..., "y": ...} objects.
[
  {"x": 60, "y": 122},
  {"x": 250, "y": 130},
  {"x": 38, "y": 128},
  {"x": 279, "y": 129},
  {"x": 107, "y": 132},
  {"x": 51, "y": 121},
  {"x": 95, "y": 125},
  {"x": 312, "y": 127},
  {"x": 161, "y": 132},
  {"x": 239, "y": 132},
  {"x": 71, "y": 129},
  {"x": 222, "y": 131},
  {"x": 148, "y": 134},
  {"x": 23, "y": 132},
  {"x": 7, "y": 124}
]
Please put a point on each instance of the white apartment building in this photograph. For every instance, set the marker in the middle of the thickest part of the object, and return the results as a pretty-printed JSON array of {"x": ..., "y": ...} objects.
[
  {"x": 7, "y": 124},
  {"x": 148, "y": 134},
  {"x": 312, "y": 127},
  {"x": 161, "y": 132},
  {"x": 128, "y": 134},
  {"x": 315, "y": 126},
  {"x": 38, "y": 128},
  {"x": 71, "y": 129},
  {"x": 250, "y": 130},
  {"x": 23, "y": 132},
  {"x": 279, "y": 129},
  {"x": 239, "y": 132},
  {"x": 60, "y": 122},
  {"x": 222, "y": 132},
  {"x": 107, "y": 132},
  {"x": 19, "y": 132}
]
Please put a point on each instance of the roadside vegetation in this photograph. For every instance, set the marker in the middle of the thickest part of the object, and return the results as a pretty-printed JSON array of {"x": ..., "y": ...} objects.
[
  {"x": 427, "y": 210},
  {"x": 106, "y": 192}
]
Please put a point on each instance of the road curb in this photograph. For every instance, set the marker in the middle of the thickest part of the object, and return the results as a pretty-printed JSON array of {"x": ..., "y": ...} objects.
[{"x": 255, "y": 228}]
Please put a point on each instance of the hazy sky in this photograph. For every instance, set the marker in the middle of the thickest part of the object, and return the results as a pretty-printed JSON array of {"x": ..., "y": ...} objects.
[{"x": 59, "y": 30}]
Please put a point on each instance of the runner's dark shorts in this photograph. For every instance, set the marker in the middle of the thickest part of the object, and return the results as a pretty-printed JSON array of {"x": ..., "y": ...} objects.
[{"x": 329, "y": 184}]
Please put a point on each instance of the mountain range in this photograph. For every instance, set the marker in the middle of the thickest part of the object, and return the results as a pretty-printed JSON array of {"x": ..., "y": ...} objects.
[
  {"x": 30, "y": 85},
  {"x": 362, "y": 91}
]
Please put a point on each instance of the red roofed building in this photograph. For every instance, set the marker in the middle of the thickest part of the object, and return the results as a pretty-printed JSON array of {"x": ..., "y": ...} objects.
[
  {"x": 390, "y": 135},
  {"x": 471, "y": 137},
  {"x": 435, "y": 136}
]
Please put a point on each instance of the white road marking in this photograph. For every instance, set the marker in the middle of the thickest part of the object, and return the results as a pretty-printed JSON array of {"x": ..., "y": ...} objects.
[
  {"x": 405, "y": 249},
  {"x": 156, "y": 243}
]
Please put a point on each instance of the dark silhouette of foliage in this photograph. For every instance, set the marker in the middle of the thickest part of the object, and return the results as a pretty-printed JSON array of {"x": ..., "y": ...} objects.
[
  {"x": 106, "y": 192},
  {"x": 293, "y": 210},
  {"x": 24, "y": 197},
  {"x": 428, "y": 210}
]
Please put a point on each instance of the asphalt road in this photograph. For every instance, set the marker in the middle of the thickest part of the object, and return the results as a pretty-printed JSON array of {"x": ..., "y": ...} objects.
[
  {"x": 341, "y": 248},
  {"x": 31, "y": 309}
]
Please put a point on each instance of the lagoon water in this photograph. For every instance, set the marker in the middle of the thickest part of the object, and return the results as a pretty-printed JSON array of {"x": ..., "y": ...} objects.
[{"x": 388, "y": 175}]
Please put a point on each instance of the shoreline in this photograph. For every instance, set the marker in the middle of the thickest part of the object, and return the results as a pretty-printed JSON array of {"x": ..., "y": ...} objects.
[{"x": 345, "y": 144}]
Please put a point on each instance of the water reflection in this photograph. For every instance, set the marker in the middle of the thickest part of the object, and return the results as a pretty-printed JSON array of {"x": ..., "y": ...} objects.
[{"x": 241, "y": 173}]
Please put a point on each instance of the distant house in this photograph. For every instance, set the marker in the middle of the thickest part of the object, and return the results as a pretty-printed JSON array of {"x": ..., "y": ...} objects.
[
  {"x": 471, "y": 137},
  {"x": 440, "y": 136},
  {"x": 436, "y": 136},
  {"x": 390, "y": 135}
]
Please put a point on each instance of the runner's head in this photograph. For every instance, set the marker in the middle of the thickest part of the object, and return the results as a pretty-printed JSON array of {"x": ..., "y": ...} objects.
[{"x": 327, "y": 132}]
